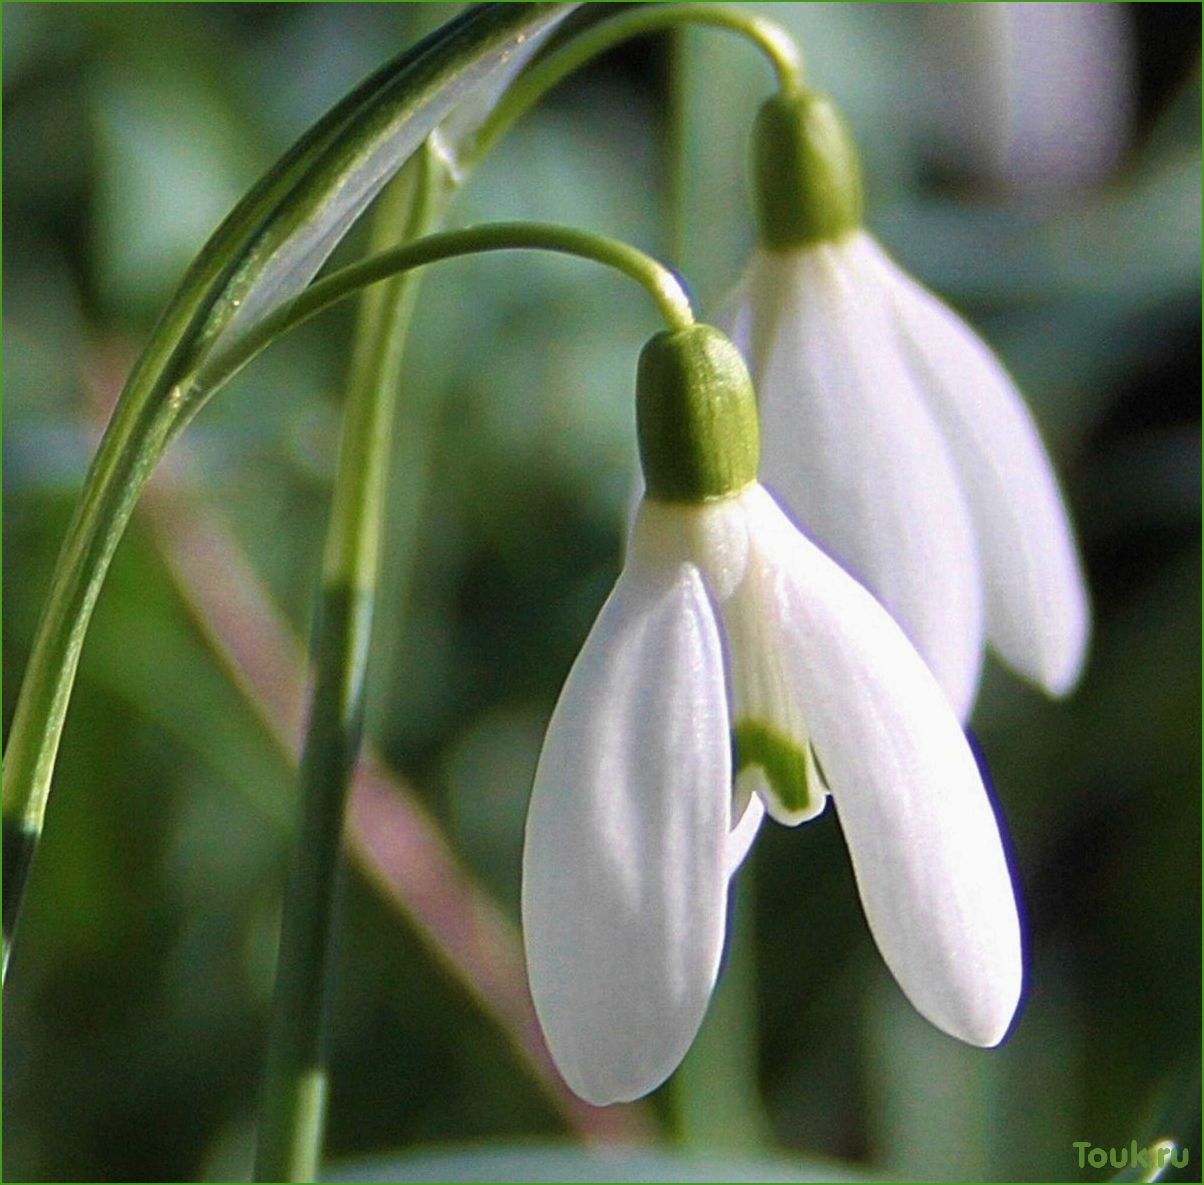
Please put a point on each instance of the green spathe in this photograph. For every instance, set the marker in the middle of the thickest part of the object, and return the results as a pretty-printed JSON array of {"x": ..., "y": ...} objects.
[
  {"x": 784, "y": 762},
  {"x": 697, "y": 417},
  {"x": 806, "y": 177}
]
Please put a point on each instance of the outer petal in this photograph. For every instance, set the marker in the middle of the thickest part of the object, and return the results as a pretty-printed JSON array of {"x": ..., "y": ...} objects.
[
  {"x": 924, "y": 842},
  {"x": 853, "y": 451},
  {"x": 625, "y": 864},
  {"x": 1036, "y": 602}
]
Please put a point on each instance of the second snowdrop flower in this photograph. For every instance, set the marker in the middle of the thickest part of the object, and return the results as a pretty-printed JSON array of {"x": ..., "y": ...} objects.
[
  {"x": 891, "y": 430},
  {"x": 736, "y": 669}
]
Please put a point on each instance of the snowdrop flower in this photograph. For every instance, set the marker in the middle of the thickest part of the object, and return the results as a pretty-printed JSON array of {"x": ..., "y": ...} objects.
[
  {"x": 736, "y": 669},
  {"x": 892, "y": 432}
]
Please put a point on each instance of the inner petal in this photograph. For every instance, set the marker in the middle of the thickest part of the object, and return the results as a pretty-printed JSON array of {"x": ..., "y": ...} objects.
[
  {"x": 778, "y": 768},
  {"x": 772, "y": 749}
]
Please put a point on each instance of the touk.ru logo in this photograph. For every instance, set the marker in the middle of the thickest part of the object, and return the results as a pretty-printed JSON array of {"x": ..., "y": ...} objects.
[{"x": 1157, "y": 1156}]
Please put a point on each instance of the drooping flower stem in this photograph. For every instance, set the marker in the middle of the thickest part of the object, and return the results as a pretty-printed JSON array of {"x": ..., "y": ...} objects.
[
  {"x": 771, "y": 39},
  {"x": 293, "y": 1112},
  {"x": 661, "y": 284}
]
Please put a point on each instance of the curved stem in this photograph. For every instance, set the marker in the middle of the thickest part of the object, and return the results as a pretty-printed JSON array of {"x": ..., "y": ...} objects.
[
  {"x": 127, "y": 455},
  {"x": 771, "y": 39},
  {"x": 661, "y": 283},
  {"x": 292, "y": 1121},
  {"x": 315, "y": 170}
]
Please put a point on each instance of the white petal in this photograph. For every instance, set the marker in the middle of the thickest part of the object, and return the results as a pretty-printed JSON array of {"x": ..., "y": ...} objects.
[
  {"x": 1036, "y": 601},
  {"x": 625, "y": 865},
  {"x": 772, "y": 743},
  {"x": 851, "y": 448},
  {"x": 740, "y": 838},
  {"x": 770, "y": 736},
  {"x": 923, "y": 839}
]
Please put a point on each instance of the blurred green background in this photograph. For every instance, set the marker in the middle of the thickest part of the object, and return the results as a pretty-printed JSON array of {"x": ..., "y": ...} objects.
[{"x": 135, "y": 1012}]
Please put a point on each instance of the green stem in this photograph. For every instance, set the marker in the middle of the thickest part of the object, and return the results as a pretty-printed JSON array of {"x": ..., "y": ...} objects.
[
  {"x": 660, "y": 282},
  {"x": 675, "y": 151},
  {"x": 771, "y": 39},
  {"x": 127, "y": 455},
  {"x": 295, "y": 1088},
  {"x": 321, "y": 166},
  {"x": 714, "y": 1093}
]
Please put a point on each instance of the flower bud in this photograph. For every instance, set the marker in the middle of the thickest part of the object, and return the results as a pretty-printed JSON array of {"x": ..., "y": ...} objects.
[
  {"x": 806, "y": 176},
  {"x": 696, "y": 416}
]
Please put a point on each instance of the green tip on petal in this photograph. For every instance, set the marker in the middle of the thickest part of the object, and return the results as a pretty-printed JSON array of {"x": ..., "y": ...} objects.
[
  {"x": 697, "y": 417},
  {"x": 806, "y": 176},
  {"x": 786, "y": 765}
]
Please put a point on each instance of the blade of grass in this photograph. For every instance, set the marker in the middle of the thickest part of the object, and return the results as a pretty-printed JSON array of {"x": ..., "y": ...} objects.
[
  {"x": 292, "y": 1119},
  {"x": 268, "y": 248}
]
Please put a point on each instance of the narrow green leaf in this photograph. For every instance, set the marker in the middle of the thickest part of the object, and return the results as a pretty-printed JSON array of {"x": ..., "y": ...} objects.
[
  {"x": 264, "y": 252},
  {"x": 293, "y": 1118},
  {"x": 363, "y": 142}
]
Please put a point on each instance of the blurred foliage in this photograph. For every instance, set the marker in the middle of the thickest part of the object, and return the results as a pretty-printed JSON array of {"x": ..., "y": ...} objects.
[{"x": 135, "y": 1013}]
